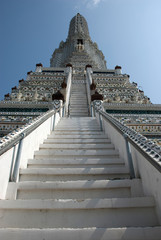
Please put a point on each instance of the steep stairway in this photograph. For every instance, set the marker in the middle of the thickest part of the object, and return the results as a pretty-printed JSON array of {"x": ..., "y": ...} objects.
[
  {"x": 77, "y": 187},
  {"x": 78, "y": 99}
]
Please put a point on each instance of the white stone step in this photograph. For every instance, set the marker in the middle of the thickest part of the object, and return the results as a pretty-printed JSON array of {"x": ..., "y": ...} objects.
[
  {"x": 78, "y": 106},
  {"x": 76, "y": 189},
  {"x": 78, "y": 96},
  {"x": 75, "y": 113},
  {"x": 78, "y": 109},
  {"x": 124, "y": 233},
  {"x": 75, "y": 96},
  {"x": 71, "y": 153},
  {"x": 76, "y": 141},
  {"x": 76, "y": 121},
  {"x": 76, "y": 146},
  {"x": 64, "y": 213},
  {"x": 76, "y": 99},
  {"x": 77, "y": 136},
  {"x": 79, "y": 114},
  {"x": 69, "y": 174},
  {"x": 78, "y": 87},
  {"x": 77, "y": 132},
  {"x": 74, "y": 103},
  {"x": 75, "y": 127},
  {"x": 78, "y": 93},
  {"x": 81, "y": 119},
  {"x": 75, "y": 162},
  {"x": 81, "y": 110},
  {"x": 81, "y": 95},
  {"x": 75, "y": 171},
  {"x": 78, "y": 125}
]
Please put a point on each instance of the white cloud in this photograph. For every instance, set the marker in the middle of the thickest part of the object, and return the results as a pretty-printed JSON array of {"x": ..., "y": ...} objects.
[
  {"x": 95, "y": 2},
  {"x": 92, "y": 3}
]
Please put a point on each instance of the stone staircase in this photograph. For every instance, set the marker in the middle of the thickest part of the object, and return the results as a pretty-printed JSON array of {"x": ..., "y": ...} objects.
[
  {"x": 78, "y": 99},
  {"x": 77, "y": 187}
]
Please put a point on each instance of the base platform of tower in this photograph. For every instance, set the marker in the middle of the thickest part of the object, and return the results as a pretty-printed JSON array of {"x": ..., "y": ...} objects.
[{"x": 83, "y": 159}]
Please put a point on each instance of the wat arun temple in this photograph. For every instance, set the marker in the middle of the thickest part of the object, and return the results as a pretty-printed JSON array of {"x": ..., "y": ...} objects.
[{"x": 80, "y": 154}]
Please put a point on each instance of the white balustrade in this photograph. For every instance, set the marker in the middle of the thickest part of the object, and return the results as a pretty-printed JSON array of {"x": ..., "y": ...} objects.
[
  {"x": 142, "y": 156},
  {"x": 19, "y": 146}
]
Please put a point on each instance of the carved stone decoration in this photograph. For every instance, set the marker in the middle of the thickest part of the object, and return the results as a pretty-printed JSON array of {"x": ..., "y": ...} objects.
[
  {"x": 64, "y": 85},
  {"x": 97, "y": 96},
  {"x": 39, "y": 65},
  {"x": 58, "y": 96},
  {"x": 88, "y": 66},
  {"x": 98, "y": 105},
  {"x": 56, "y": 104},
  {"x": 22, "y": 80},
  {"x": 93, "y": 86},
  {"x": 69, "y": 65},
  {"x": 14, "y": 88},
  {"x": 118, "y": 67},
  {"x": 7, "y": 95}
]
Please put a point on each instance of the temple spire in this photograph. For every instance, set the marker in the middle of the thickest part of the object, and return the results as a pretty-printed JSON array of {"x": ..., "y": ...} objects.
[{"x": 78, "y": 27}]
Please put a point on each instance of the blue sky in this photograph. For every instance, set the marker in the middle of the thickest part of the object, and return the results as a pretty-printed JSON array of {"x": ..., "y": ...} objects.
[{"x": 127, "y": 31}]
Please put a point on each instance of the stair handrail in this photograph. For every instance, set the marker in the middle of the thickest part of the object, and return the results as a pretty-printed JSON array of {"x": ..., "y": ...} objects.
[
  {"x": 88, "y": 83},
  {"x": 68, "y": 90},
  {"x": 147, "y": 148},
  {"x": 16, "y": 135}
]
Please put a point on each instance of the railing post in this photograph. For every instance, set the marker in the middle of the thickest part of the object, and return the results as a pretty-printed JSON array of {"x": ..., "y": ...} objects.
[
  {"x": 14, "y": 176},
  {"x": 63, "y": 113},
  {"x": 129, "y": 157},
  {"x": 100, "y": 120},
  {"x": 12, "y": 163},
  {"x": 88, "y": 82},
  {"x": 92, "y": 110},
  {"x": 53, "y": 122},
  {"x": 68, "y": 89},
  {"x": 61, "y": 110}
]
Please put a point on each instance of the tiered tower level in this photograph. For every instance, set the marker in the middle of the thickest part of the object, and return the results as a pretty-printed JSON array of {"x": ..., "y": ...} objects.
[{"x": 121, "y": 98}]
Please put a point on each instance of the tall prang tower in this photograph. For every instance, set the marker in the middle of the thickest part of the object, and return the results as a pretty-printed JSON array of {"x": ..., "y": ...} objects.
[
  {"x": 78, "y": 48},
  {"x": 121, "y": 98}
]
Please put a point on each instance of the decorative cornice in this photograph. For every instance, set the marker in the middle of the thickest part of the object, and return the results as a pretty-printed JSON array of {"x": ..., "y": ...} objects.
[
  {"x": 27, "y": 104},
  {"x": 126, "y": 106}
]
